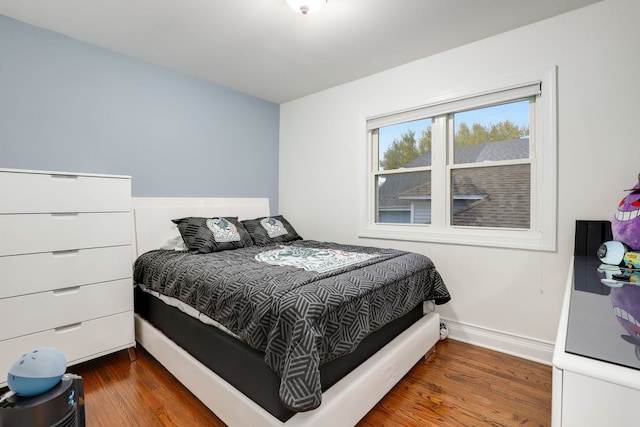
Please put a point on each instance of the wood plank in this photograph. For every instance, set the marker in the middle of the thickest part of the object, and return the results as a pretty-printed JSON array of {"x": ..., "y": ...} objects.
[{"x": 460, "y": 385}]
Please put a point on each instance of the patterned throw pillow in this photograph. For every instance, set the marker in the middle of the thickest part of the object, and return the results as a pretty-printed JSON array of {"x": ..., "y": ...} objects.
[
  {"x": 271, "y": 229},
  {"x": 213, "y": 234}
]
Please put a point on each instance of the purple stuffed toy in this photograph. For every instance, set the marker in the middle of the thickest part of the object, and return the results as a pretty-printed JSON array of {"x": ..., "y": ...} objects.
[
  {"x": 626, "y": 307},
  {"x": 626, "y": 224},
  {"x": 626, "y": 299}
]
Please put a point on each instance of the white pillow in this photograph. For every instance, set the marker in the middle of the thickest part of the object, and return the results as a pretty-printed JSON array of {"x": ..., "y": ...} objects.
[{"x": 175, "y": 243}]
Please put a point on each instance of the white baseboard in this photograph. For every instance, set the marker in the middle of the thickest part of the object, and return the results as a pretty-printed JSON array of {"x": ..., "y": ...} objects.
[{"x": 526, "y": 348}]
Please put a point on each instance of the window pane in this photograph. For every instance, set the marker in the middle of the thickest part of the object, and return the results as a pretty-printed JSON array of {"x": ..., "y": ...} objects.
[
  {"x": 500, "y": 132},
  {"x": 404, "y": 198},
  {"x": 497, "y": 196},
  {"x": 405, "y": 145}
]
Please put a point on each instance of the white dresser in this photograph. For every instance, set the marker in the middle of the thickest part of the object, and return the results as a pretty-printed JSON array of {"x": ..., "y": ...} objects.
[
  {"x": 65, "y": 264},
  {"x": 596, "y": 362}
]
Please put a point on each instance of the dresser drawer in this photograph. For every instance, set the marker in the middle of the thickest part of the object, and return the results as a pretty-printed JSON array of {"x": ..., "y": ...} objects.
[
  {"x": 28, "y": 192},
  {"x": 59, "y": 309},
  {"x": 30, "y": 233},
  {"x": 31, "y": 273},
  {"x": 78, "y": 343}
]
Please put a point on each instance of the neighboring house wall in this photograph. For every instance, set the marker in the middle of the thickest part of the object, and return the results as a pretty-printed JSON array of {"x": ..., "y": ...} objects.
[
  {"x": 69, "y": 106},
  {"x": 514, "y": 292},
  {"x": 422, "y": 212}
]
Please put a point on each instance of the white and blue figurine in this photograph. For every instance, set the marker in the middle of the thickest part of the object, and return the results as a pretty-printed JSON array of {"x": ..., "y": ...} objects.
[
  {"x": 444, "y": 331},
  {"x": 37, "y": 371}
]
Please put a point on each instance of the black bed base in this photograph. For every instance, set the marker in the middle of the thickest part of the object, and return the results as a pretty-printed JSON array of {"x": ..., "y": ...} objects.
[{"x": 243, "y": 366}]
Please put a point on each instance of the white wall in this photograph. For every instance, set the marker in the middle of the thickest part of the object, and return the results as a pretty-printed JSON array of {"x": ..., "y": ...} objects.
[{"x": 513, "y": 293}]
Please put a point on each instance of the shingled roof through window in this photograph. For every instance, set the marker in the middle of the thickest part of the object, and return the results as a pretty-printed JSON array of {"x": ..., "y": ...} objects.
[{"x": 497, "y": 196}]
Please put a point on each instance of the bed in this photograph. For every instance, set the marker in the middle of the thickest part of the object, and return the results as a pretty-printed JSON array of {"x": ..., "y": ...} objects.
[{"x": 301, "y": 359}]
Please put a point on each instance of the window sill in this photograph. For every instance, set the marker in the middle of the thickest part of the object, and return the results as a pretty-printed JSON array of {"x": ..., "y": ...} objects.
[{"x": 468, "y": 237}]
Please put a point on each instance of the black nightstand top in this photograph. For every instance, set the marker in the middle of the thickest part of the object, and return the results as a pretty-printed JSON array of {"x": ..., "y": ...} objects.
[{"x": 594, "y": 326}]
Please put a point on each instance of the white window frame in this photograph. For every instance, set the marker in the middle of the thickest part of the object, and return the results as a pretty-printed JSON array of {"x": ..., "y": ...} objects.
[{"x": 543, "y": 159}]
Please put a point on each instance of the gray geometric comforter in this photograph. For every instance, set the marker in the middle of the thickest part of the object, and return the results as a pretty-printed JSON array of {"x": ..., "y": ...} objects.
[{"x": 300, "y": 319}]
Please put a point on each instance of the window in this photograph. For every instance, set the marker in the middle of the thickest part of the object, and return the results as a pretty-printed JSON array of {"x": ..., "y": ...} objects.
[{"x": 473, "y": 169}]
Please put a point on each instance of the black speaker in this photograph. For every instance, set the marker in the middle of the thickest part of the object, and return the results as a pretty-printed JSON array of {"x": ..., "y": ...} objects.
[
  {"x": 62, "y": 406},
  {"x": 590, "y": 235}
]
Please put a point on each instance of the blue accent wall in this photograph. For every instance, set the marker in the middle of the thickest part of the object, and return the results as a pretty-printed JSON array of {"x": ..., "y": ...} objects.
[{"x": 66, "y": 105}]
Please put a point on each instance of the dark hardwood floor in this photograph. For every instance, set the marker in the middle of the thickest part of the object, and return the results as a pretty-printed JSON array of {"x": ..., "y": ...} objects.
[{"x": 460, "y": 385}]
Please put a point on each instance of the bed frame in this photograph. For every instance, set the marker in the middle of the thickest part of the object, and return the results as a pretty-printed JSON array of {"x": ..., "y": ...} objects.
[{"x": 343, "y": 404}]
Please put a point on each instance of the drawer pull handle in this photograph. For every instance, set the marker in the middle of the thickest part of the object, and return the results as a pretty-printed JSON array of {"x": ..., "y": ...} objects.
[
  {"x": 64, "y": 177},
  {"x": 64, "y": 215},
  {"x": 68, "y": 328},
  {"x": 60, "y": 254},
  {"x": 66, "y": 291}
]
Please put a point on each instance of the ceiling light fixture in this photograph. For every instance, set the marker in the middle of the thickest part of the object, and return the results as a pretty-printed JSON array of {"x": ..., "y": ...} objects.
[{"x": 305, "y": 6}]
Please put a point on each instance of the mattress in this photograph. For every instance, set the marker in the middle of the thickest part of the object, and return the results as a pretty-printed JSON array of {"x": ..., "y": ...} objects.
[
  {"x": 298, "y": 318},
  {"x": 243, "y": 366}
]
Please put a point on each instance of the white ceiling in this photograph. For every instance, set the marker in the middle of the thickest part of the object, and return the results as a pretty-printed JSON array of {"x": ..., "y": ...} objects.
[{"x": 264, "y": 49}]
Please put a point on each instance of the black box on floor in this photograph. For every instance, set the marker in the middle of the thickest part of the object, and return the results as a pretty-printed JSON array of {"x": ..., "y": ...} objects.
[{"x": 62, "y": 406}]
